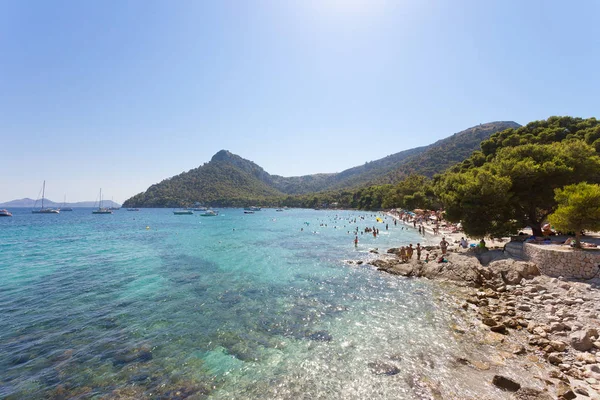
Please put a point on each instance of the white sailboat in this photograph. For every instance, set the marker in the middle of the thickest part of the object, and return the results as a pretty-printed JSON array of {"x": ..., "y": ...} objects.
[
  {"x": 64, "y": 206},
  {"x": 44, "y": 210},
  {"x": 100, "y": 209}
]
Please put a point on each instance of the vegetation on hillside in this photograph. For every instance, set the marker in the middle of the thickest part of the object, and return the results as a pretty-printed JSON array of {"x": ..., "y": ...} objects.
[{"x": 229, "y": 180}]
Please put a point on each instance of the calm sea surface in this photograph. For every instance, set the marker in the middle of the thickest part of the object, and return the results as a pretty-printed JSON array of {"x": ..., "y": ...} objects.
[{"x": 154, "y": 305}]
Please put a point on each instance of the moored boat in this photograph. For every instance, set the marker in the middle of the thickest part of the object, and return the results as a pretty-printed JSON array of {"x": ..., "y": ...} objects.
[
  {"x": 209, "y": 213},
  {"x": 253, "y": 208},
  {"x": 183, "y": 212},
  {"x": 5, "y": 213},
  {"x": 102, "y": 210},
  {"x": 44, "y": 210},
  {"x": 133, "y": 209}
]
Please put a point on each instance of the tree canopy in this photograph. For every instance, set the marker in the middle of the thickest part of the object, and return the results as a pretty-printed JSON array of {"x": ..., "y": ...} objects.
[
  {"x": 510, "y": 183},
  {"x": 578, "y": 209}
]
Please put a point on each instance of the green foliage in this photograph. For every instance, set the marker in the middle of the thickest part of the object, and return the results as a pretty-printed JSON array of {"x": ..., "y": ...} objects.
[
  {"x": 514, "y": 186},
  {"x": 578, "y": 209}
]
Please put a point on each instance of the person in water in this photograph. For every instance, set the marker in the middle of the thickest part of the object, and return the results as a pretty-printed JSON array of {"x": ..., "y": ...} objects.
[
  {"x": 419, "y": 248},
  {"x": 356, "y": 241}
]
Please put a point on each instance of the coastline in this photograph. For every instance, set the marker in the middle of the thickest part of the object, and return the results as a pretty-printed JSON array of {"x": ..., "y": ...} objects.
[{"x": 544, "y": 331}]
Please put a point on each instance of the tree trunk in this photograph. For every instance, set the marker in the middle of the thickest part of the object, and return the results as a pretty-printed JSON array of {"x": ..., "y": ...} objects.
[
  {"x": 536, "y": 229},
  {"x": 577, "y": 240}
]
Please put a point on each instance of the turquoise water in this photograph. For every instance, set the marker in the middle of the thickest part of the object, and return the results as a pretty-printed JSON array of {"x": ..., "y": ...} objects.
[{"x": 154, "y": 305}]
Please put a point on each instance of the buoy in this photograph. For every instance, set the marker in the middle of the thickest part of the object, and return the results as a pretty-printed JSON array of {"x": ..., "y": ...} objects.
[{"x": 147, "y": 227}]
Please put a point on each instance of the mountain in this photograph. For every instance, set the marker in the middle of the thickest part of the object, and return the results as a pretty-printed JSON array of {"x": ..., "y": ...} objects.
[
  {"x": 230, "y": 180},
  {"x": 30, "y": 203}
]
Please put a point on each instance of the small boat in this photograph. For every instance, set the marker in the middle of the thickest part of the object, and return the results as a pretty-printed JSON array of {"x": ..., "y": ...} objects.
[
  {"x": 252, "y": 208},
  {"x": 279, "y": 209},
  {"x": 198, "y": 208},
  {"x": 64, "y": 206},
  {"x": 209, "y": 213},
  {"x": 44, "y": 210},
  {"x": 5, "y": 213},
  {"x": 102, "y": 210},
  {"x": 133, "y": 209},
  {"x": 248, "y": 212},
  {"x": 183, "y": 212}
]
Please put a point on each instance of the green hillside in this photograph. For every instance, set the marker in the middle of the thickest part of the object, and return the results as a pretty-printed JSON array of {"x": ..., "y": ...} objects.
[{"x": 230, "y": 180}]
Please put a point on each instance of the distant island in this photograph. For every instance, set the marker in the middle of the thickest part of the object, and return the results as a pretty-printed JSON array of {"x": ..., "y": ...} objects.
[{"x": 29, "y": 203}]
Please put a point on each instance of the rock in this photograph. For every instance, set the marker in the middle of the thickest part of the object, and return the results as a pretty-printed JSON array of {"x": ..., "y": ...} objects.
[
  {"x": 532, "y": 394},
  {"x": 524, "y": 307},
  {"x": 564, "y": 391},
  {"x": 555, "y": 358},
  {"x": 505, "y": 383},
  {"x": 539, "y": 330},
  {"x": 587, "y": 358},
  {"x": 320, "y": 336},
  {"x": 141, "y": 354},
  {"x": 582, "y": 391},
  {"x": 557, "y": 345},
  {"x": 383, "y": 368},
  {"x": 580, "y": 340},
  {"x": 499, "y": 329},
  {"x": 489, "y": 321},
  {"x": 557, "y": 326}
]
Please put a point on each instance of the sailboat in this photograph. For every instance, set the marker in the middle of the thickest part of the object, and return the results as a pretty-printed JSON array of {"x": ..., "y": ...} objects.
[
  {"x": 64, "y": 206},
  {"x": 44, "y": 210},
  {"x": 101, "y": 210},
  {"x": 113, "y": 207}
]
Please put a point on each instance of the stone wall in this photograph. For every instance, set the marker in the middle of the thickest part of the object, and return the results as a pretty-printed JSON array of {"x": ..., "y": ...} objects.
[{"x": 554, "y": 261}]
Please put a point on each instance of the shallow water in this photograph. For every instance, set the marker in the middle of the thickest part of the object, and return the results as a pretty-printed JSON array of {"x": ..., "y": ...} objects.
[{"x": 149, "y": 304}]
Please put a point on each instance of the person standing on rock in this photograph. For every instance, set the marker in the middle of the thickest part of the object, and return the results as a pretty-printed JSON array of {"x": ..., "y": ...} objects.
[
  {"x": 409, "y": 252},
  {"x": 419, "y": 248},
  {"x": 444, "y": 245},
  {"x": 402, "y": 254}
]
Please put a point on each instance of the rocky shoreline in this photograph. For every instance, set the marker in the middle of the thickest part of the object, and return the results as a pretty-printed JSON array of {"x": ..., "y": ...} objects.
[{"x": 549, "y": 327}]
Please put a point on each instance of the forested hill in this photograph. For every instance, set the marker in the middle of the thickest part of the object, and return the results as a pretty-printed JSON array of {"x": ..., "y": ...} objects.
[
  {"x": 230, "y": 180},
  {"x": 447, "y": 152}
]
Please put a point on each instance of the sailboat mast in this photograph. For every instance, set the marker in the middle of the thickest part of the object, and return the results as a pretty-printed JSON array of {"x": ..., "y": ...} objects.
[
  {"x": 100, "y": 197},
  {"x": 43, "y": 193}
]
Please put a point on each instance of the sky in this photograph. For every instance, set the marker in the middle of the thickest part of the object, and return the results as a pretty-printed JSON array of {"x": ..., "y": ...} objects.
[{"x": 120, "y": 95}]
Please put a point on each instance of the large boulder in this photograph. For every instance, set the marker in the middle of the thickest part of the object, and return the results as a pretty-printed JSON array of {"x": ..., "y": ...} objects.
[
  {"x": 581, "y": 340},
  {"x": 513, "y": 271}
]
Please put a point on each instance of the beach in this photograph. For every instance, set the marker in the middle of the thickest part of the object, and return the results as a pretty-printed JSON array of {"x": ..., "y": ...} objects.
[{"x": 544, "y": 330}]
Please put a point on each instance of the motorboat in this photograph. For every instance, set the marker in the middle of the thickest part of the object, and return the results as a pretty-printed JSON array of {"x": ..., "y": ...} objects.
[
  {"x": 209, "y": 213},
  {"x": 248, "y": 212},
  {"x": 252, "y": 208},
  {"x": 5, "y": 213},
  {"x": 183, "y": 212}
]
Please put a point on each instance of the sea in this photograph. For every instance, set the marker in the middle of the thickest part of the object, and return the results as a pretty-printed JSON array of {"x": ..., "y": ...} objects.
[{"x": 270, "y": 305}]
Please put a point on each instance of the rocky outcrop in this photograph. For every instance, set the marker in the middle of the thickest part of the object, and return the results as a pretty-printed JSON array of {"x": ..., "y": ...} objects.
[
  {"x": 461, "y": 269},
  {"x": 550, "y": 320}
]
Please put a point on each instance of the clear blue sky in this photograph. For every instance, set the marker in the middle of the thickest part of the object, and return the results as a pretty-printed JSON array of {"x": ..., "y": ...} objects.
[{"x": 122, "y": 94}]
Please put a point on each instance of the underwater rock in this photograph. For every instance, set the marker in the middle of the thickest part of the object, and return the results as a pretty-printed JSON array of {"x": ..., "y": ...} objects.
[
  {"x": 141, "y": 354},
  {"x": 383, "y": 368},
  {"x": 320, "y": 336}
]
